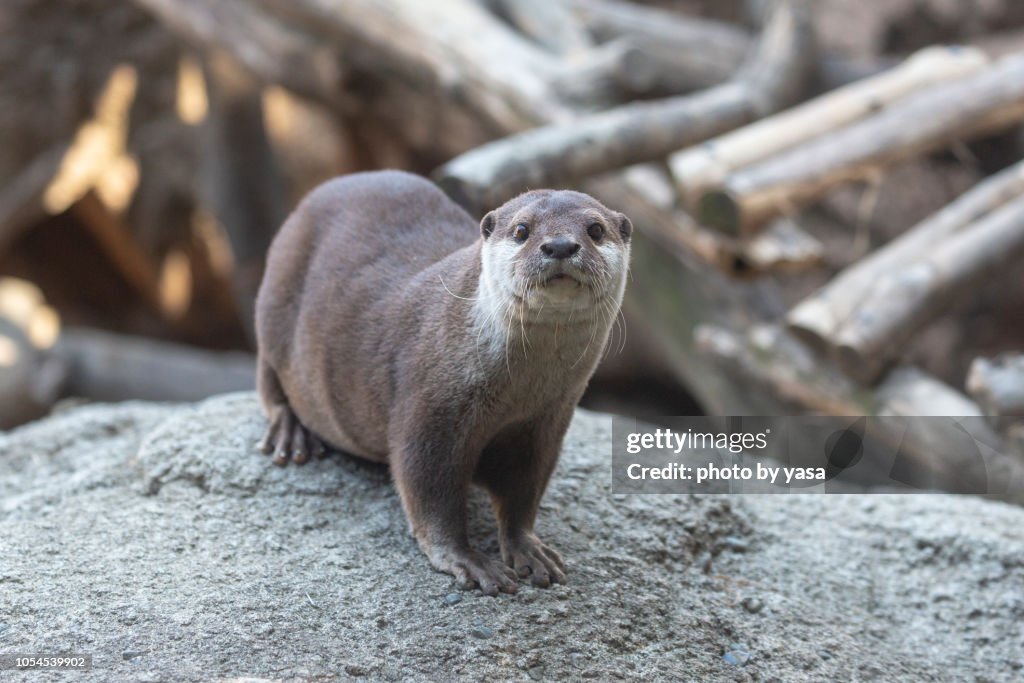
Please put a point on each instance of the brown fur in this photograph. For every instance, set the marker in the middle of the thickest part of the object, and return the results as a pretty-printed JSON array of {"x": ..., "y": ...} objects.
[{"x": 379, "y": 335}]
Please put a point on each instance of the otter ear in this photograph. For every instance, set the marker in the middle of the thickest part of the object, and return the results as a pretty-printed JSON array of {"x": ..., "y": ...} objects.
[
  {"x": 625, "y": 227},
  {"x": 487, "y": 225}
]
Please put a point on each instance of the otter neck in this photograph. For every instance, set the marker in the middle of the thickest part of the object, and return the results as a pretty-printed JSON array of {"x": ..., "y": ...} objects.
[{"x": 506, "y": 330}]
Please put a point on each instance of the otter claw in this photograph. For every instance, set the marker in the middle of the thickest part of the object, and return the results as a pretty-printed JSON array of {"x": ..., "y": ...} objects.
[
  {"x": 473, "y": 569},
  {"x": 530, "y": 557},
  {"x": 288, "y": 439}
]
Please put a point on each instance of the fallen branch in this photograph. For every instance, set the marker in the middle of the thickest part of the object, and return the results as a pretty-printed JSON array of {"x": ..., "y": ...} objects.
[
  {"x": 563, "y": 153},
  {"x": 906, "y": 300},
  {"x": 981, "y": 103},
  {"x": 639, "y": 132},
  {"x": 694, "y": 53},
  {"x": 549, "y": 22},
  {"x": 835, "y": 71},
  {"x": 783, "y": 247},
  {"x": 136, "y": 265},
  {"x": 609, "y": 74},
  {"x": 110, "y": 367},
  {"x": 457, "y": 46},
  {"x": 783, "y": 378},
  {"x": 21, "y": 200},
  {"x": 864, "y": 315},
  {"x": 268, "y": 47},
  {"x": 780, "y": 374},
  {"x": 702, "y": 168}
]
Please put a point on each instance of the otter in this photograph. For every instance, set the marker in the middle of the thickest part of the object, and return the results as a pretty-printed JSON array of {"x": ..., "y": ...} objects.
[{"x": 390, "y": 327}]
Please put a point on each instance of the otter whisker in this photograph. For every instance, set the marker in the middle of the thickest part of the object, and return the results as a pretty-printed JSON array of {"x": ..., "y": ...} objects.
[
  {"x": 620, "y": 318},
  {"x": 522, "y": 324},
  {"x": 464, "y": 298},
  {"x": 593, "y": 335},
  {"x": 606, "y": 319},
  {"x": 508, "y": 336}
]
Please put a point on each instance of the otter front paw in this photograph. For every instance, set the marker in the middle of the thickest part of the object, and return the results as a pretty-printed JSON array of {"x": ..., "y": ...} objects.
[
  {"x": 473, "y": 569},
  {"x": 288, "y": 440},
  {"x": 531, "y": 557}
]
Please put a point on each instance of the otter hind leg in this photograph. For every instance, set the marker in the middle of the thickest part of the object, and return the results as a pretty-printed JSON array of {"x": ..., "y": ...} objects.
[{"x": 286, "y": 437}]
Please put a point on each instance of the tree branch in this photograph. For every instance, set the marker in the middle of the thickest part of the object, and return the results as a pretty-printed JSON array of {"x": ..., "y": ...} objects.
[{"x": 561, "y": 153}]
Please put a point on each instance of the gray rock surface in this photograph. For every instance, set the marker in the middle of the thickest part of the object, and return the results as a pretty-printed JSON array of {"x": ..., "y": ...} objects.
[{"x": 158, "y": 540}]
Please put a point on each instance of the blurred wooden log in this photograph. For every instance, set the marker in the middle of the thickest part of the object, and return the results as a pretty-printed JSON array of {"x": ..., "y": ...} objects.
[
  {"x": 137, "y": 266},
  {"x": 783, "y": 247},
  {"x": 245, "y": 188},
  {"x": 59, "y": 177},
  {"x": 779, "y": 67},
  {"x": 606, "y": 75},
  {"x": 21, "y": 200},
  {"x": 1015, "y": 439},
  {"x": 39, "y": 363},
  {"x": 998, "y": 387},
  {"x": 865, "y": 314},
  {"x": 550, "y": 23},
  {"x": 769, "y": 372},
  {"x": 561, "y": 153},
  {"x": 457, "y": 46},
  {"x": 287, "y": 45},
  {"x": 959, "y": 452},
  {"x": 702, "y": 168},
  {"x": 909, "y": 297},
  {"x": 835, "y": 71},
  {"x": 782, "y": 377},
  {"x": 695, "y": 53},
  {"x": 109, "y": 367},
  {"x": 268, "y": 47},
  {"x": 29, "y": 379},
  {"x": 981, "y": 103},
  {"x": 590, "y": 76}
]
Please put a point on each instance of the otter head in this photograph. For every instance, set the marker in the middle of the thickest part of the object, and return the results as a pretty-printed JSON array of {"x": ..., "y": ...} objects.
[{"x": 556, "y": 251}]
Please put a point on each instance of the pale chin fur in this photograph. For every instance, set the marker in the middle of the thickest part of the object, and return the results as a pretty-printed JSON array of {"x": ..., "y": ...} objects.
[{"x": 501, "y": 290}]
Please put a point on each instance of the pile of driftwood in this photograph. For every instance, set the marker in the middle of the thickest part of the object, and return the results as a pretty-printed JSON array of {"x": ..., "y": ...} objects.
[{"x": 714, "y": 137}]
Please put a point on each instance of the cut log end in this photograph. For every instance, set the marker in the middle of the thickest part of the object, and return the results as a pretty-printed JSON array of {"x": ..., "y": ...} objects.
[
  {"x": 854, "y": 364},
  {"x": 997, "y": 385},
  {"x": 720, "y": 210},
  {"x": 463, "y": 193},
  {"x": 809, "y": 336}
]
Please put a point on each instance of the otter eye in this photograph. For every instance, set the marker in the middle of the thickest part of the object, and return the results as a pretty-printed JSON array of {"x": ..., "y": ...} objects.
[
  {"x": 521, "y": 232},
  {"x": 596, "y": 231}
]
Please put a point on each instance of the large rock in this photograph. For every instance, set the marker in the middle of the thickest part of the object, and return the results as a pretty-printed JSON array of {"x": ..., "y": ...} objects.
[{"x": 158, "y": 540}]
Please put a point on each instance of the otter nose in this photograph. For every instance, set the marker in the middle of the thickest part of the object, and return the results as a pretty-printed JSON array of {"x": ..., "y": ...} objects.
[{"x": 560, "y": 247}]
